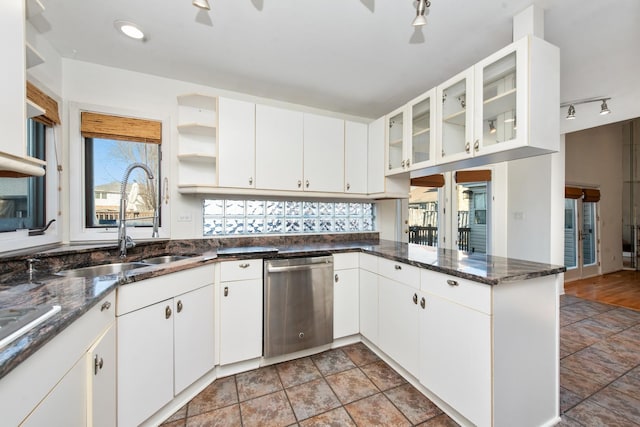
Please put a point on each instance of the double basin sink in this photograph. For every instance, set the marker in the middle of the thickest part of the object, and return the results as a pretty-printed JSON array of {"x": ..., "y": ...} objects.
[{"x": 15, "y": 322}]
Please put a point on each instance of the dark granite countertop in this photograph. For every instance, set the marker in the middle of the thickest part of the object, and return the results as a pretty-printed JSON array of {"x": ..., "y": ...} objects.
[{"x": 77, "y": 295}]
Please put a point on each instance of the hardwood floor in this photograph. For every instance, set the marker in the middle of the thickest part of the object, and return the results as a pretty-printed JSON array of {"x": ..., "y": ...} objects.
[{"x": 621, "y": 288}]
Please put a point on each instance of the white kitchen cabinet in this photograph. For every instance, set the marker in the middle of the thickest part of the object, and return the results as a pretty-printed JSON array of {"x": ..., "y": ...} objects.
[
  {"x": 378, "y": 183},
  {"x": 193, "y": 346},
  {"x": 346, "y": 281},
  {"x": 197, "y": 147},
  {"x": 101, "y": 363},
  {"x": 369, "y": 305},
  {"x": 323, "y": 153},
  {"x": 157, "y": 339},
  {"x": 240, "y": 294},
  {"x": 455, "y": 355},
  {"x": 355, "y": 157},
  {"x": 279, "y": 149},
  {"x": 145, "y": 362},
  {"x": 396, "y": 141},
  {"x": 236, "y": 138},
  {"x": 455, "y": 117}
]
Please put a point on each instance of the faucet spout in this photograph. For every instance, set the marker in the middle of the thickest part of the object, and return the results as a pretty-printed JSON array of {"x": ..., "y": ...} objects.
[{"x": 125, "y": 241}]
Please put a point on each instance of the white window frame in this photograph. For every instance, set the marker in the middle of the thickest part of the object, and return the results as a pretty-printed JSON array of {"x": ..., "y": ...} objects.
[{"x": 78, "y": 232}]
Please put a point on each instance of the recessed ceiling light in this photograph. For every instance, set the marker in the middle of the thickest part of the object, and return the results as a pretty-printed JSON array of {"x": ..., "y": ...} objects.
[{"x": 129, "y": 29}]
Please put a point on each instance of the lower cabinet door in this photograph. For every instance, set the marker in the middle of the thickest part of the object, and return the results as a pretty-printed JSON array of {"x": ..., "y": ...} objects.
[
  {"x": 66, "y": 405},
  {"x": 145, "y": 362},
  {"x": 193, "y": 336},
  {"x": 240, "y": 320},
  {"x": 345, "y": 303},
  {"x": 455, "y": 355},
  {"x": 102, "y": 380},
  {"x": 369, "y": 305},
  {"x": 399, "y": 323}
]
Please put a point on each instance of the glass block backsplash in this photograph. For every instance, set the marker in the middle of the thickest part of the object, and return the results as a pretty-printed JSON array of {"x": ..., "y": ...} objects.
[{"x": 251, "y": 217}]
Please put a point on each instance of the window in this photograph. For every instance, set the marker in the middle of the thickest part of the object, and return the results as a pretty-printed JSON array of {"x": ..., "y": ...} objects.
[
  {"x": 22, "y": 200},
  {"x": 250, "y": 217}
]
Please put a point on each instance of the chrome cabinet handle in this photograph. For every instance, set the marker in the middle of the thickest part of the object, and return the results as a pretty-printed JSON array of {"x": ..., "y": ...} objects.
[
  {"x": 250, "y": 181},
  {"x": 244, "y": 265},
  {"x": 415, "y": 298},
  {"x": 180, "y": 306},
  {"x": 299, "y": 183},
  {"x": 336, "y": 278},
  {"x": 226, "y": 291},
  {"x": 467, "y": 147},
  {"x": 398, "y": 267},
  {"x": 408, "y": 162},
  {"x": 476, "y": 145},
  {"x": 423, "y": 302},
  {"x": 442, "y": 153},
  {"x": 402, "y": 164},
  {"x": 390, "y": 166},
  {"x": 348, "y": 186},
  {"x": 452, "y": 282},
  {"x": 98, "y": 363},
  {"x": 167, "y": 312},
  {"x": 105, "y": 306},
  {"x": 307, "y": 183}
]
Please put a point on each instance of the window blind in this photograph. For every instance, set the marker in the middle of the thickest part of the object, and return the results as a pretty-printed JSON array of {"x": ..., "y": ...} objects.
[
  {"x": 51, "y": 116},
  {"x": 473, "y": 176},
  {"x": 436, "y": 180},
  {"x": 96, "y": 125}
]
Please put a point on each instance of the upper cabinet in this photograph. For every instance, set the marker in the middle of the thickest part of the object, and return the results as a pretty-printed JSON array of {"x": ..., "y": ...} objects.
[
  {"x": 323, "y": 153},
  {"x": 279, "y": 148},
  {"x": 396, "y": 142},
  {"x": 355, "y": 157},
  {"x": 236, "y": 137},
  {"x": 455, "y": 117}
]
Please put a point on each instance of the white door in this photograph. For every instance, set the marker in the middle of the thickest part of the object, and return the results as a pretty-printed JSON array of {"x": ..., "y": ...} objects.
[
  {"x": 355, "y": 158},
  {"x": 398, "y": 328},
  {"x": 581, "y": 239},
  {"x": 345, "y": 303},
  {"x": 145, "y": 362},
  {"x": 369, "y": 305},
  {"x": 102, "y": 379},
  {"x": 236, "y": 143},
  {"x": 279, "y": 148},
  {"x": 240, "y": 320},
  {"x": 193, "y": 336},
  {"x": 323, "y": 154}
]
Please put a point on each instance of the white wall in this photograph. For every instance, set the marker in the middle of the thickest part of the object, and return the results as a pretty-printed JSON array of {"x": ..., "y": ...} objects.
[{"x": 594, "y": 158}]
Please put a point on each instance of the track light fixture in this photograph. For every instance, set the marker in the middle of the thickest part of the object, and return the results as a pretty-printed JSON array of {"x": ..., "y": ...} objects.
[
  {"x": 421, "y": 9},
  {"x": 571, "y": 113},
  {"x": 202, "y": 4}
]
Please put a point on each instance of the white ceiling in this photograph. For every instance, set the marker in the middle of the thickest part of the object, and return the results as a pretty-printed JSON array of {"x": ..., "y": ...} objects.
[{"x": 358, "y": 57}]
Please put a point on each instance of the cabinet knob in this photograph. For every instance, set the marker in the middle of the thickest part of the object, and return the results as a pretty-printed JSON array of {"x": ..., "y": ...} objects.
[
  {"x": 398, "y": 267},
  {"x": 415, "y": 298},
  {"x": 226, "y": 291},
  {"x": 442, "y": 153},
  {"x": 299, "y": 183},
  {"x": 476, "y": 145},
  {"x": 250, "y": 181},
  {"x": 97, "y": 364},
  {"x": 390, "y": 166},
  {"x": 402, "y": 164},
  {"x": 408, "y": 162},
  {"x": 336, "y": 278},
  {"x": 423, "y": 302},
  {"x": 105, "y": 306},
  {"x": 452, "y": 282},
  {"x": 244, "y": 265},
  {"x": 348, "y": 186},
  {"x": 167, "y": 312},
  {"x": 180, "y": 306},
  {"x": 306, "y": 183},
  {"x": 467, "y": 147}
]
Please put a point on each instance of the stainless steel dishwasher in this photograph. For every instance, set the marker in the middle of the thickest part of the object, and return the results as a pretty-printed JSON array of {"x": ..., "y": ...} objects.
[{"x": 298, "y": 304}]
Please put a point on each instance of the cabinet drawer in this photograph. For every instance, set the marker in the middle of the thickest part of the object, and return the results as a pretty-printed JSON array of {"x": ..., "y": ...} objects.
[
  {"x": 344, "y": 261},
  {"x": 241, "y": 270},
  {"x": 464, "y": 292},
  {"x": 403, "y": 273},
  {"x": 369, "y": 263}
]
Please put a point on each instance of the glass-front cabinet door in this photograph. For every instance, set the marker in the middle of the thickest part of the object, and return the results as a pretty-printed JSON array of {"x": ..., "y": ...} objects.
[
  {"x": 500, "y": 119},
  {"x": 455, "y": 117},
  {"x": 422, "y": 112},
  {"x": 396, "y": 158}
]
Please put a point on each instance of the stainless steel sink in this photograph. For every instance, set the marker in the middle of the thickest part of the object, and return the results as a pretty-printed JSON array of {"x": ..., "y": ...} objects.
[
  {"x": 102, "y": 270},
  {"x": 15, "y": 322},
  {"x": 164, "y": 259}
]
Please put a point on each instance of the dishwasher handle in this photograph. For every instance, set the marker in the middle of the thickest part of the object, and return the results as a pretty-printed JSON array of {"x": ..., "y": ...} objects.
[{"x": 288, "y": 268}]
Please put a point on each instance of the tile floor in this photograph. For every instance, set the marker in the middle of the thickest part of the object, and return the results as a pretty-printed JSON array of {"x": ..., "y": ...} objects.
[{"x": 351, "y": 386}]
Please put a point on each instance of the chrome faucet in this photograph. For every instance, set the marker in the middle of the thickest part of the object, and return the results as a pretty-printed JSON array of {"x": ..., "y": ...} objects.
[{"x": 126, "y": 242}]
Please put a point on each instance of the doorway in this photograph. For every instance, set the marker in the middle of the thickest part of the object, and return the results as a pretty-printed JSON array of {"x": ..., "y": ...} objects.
[{"x": 581, "y": 239}]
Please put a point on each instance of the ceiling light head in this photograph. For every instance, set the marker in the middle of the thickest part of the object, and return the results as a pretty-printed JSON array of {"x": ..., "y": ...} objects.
[
  {"x": 129, "y": 29},
  {"x": 421, "y": 9},
  {"x": 604, "y": 109},
  {"x": 492, "y": 126},
  {"x": 571, "y": 114},
  {"x": 202, "y": 4}
]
